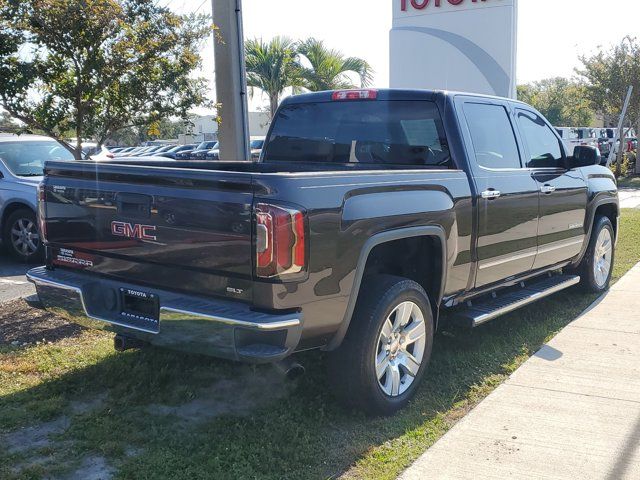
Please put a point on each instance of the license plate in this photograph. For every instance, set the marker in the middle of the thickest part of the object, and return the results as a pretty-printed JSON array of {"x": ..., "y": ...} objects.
[{"x": 140, "y": 309}]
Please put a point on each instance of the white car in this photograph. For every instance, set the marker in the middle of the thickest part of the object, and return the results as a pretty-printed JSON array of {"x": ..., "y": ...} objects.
[{"x": 576, "y": 136}]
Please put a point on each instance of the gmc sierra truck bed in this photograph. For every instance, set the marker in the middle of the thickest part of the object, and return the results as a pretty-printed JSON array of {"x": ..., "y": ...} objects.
[{"x": 370, "y": 215}]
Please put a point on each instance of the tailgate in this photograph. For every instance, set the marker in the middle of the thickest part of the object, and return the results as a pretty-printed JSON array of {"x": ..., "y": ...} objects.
[{"x": 161, "y": 226}]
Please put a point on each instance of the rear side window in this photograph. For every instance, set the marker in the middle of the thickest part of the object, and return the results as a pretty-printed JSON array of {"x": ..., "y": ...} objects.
[
  {"x": 544, "y": 146},
  {"x": 492, "y": 135},
  {"x": 359, "y": 132}
]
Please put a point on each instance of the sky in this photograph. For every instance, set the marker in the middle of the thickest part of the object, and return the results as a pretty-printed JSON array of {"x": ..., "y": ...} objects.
[{"x": 552, "y": 34}]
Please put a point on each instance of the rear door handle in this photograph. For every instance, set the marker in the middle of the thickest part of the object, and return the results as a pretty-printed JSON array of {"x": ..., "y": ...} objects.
[
  {"x": 491, "y": 194},
  {"x": 547, "y": 189}
]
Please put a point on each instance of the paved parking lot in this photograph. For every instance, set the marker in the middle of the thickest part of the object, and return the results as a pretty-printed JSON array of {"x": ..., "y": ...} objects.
[{"x": 13, "y": 283}]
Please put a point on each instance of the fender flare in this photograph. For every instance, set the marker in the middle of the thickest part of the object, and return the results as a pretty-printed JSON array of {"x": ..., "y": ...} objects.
[
  {"x": 591, "y": 218},
  {"x": 374, "y": 241}
]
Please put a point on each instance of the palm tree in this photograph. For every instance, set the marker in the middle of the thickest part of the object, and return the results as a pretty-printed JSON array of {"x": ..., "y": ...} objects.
[
  {"x": 272, "y": 67},
  {"x": 330, "y": 69}
]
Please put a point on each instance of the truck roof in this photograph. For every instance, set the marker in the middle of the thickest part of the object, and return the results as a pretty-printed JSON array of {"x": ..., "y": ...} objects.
[{"x": 386, "y": 94}]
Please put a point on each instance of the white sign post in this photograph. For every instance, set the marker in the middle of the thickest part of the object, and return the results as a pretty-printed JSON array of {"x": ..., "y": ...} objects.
[
  {"x": 619, "y": 136},
  {"x": 463, "y": 45}
]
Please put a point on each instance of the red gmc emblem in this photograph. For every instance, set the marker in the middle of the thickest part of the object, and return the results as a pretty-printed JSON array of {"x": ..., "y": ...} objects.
[{"x": 142, "y": 232}]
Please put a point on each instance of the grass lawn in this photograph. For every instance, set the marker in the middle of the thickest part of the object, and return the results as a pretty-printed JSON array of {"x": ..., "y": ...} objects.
[
  {"x": 75, "y": 406},
  {"x": 629, "y": 182}
]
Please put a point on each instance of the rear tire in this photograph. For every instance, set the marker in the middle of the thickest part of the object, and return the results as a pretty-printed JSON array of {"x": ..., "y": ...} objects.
[
  {"x": 21, "y": 237},
  {"x": 596, "y": 267},
  {"x": 385, "y": 353}
]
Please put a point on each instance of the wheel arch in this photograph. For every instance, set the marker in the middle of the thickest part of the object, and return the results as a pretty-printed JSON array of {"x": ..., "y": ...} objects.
[
  {"x": 12, "y": 206},
  {"x": 431, "y": 232},
  {"x": 610, "y": 208}
]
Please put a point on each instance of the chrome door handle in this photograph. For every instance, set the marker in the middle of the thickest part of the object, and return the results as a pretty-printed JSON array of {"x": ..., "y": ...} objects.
[
  {"x": 491, "y": 194},
  {"x": 547, "y": 189}
]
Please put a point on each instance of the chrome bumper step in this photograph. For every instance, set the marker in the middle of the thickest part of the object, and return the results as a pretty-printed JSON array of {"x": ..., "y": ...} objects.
[{"x": 485, "y": 310}]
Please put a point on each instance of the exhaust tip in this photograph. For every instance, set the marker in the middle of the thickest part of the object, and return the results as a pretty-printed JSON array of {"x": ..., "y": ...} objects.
[
  {"x": 295, "y": 371},
  {"x": 122, "y": 343},
  {"x": 291, "y": 369}
]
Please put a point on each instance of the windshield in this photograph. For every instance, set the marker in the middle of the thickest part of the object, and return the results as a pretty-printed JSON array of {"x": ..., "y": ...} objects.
[
  {"x": 177, "y": 148},
  {"x": 257, "y": 144},
  {"x": 26, "y": 159},
  {"x": 206, "y": 145},
  {"x": 360, "y": 132}
]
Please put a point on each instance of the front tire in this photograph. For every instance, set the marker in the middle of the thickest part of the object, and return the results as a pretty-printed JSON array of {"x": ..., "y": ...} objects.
[
  {"x": 21, "y": 236},
  {"x": 596, "y": 267},
  {"x": 387, "y": 348}
]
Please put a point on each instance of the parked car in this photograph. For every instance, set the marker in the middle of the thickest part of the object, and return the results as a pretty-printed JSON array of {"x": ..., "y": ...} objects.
[
  {"x": 102, "y": 154},
  {"x": 256, "y": 145},
  {"x": 631, "y": 144},
  {"x": 21, "y": 167},
  {"x": 573, "y": 137},
  {"x": 124, "y": 151},
  {"x": 188, "y": 154},
  {"x": 214, "y": 153},
  {"x": 173, "y": 153},
  {"x": 144, "y": 151},
  {"x": 200, "y": 153},
  {"x": 164, "y": 149},
  {"x": 130, "y": 151},
  {"x": 604, "y": 145},
  {"x": 372, "y": 217}
]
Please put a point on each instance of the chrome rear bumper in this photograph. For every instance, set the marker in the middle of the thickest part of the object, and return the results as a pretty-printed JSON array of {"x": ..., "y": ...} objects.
[{"x": 212, "y": 327}]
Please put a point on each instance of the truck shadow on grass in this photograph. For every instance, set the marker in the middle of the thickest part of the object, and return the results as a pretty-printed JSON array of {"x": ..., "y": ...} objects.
[{"x": 159, "y": 414}]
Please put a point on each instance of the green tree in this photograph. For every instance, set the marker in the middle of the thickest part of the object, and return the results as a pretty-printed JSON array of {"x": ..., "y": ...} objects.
[
  {"x": 329, "y": 69},
  {"x": 272, "y": 67},
  {"x": 94, "y": 67},
  {"x": 608, "y": 74},
  {"x": 7, "y": 124},
  {"x": 164, "y": 129},
  {"x": 562, "y": 101}
]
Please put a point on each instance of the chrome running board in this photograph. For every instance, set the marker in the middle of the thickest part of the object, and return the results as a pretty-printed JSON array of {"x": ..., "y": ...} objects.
[{"x": 483, "y": 311}]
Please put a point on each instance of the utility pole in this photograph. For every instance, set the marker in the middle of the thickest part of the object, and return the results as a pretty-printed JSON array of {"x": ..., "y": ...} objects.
[
  {"x": 620, "y": 134},
  {"x": 231, "y": 80}
]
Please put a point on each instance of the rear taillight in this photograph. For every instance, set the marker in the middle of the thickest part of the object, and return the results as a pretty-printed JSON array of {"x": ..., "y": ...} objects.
[
  {"x": 342, "y": 95},
  {"x": 280, "y": 241},
  {"x": 41, "y": 221}
]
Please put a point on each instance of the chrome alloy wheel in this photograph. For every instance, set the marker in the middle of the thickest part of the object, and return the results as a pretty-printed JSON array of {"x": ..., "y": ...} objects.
[
  {"x": 24, "y": 237},
  {"x": 400, "y": 349},
  {"x": 602, "y": 257}
]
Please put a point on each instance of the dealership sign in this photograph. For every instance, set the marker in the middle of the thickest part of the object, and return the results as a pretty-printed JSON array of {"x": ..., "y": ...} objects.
[
  {"x": 422, "y": 4},
  {"x": 461, "y": 45}
]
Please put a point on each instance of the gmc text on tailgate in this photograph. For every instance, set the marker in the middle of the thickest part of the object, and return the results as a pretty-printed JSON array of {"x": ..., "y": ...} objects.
[{"x": 370, "y": 216}]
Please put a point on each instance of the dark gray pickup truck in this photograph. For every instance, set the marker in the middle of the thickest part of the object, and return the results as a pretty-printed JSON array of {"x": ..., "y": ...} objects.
[{"x": 370, "y": 215}]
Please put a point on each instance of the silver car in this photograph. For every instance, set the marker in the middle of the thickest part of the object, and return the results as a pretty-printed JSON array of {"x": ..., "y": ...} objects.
[{"x": 22, "y": 160}]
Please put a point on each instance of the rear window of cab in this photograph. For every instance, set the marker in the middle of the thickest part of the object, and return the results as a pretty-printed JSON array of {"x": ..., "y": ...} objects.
[{"x": 407, "y": 133}]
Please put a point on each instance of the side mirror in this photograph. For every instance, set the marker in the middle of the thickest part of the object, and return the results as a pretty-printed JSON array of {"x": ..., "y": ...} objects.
[{"x": 584, "y": 156}]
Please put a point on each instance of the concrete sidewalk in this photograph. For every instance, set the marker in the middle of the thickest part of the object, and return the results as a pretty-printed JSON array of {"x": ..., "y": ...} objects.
[
  {"x": 570, "y": 412},
  {"x": 629, "y": 198}
]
